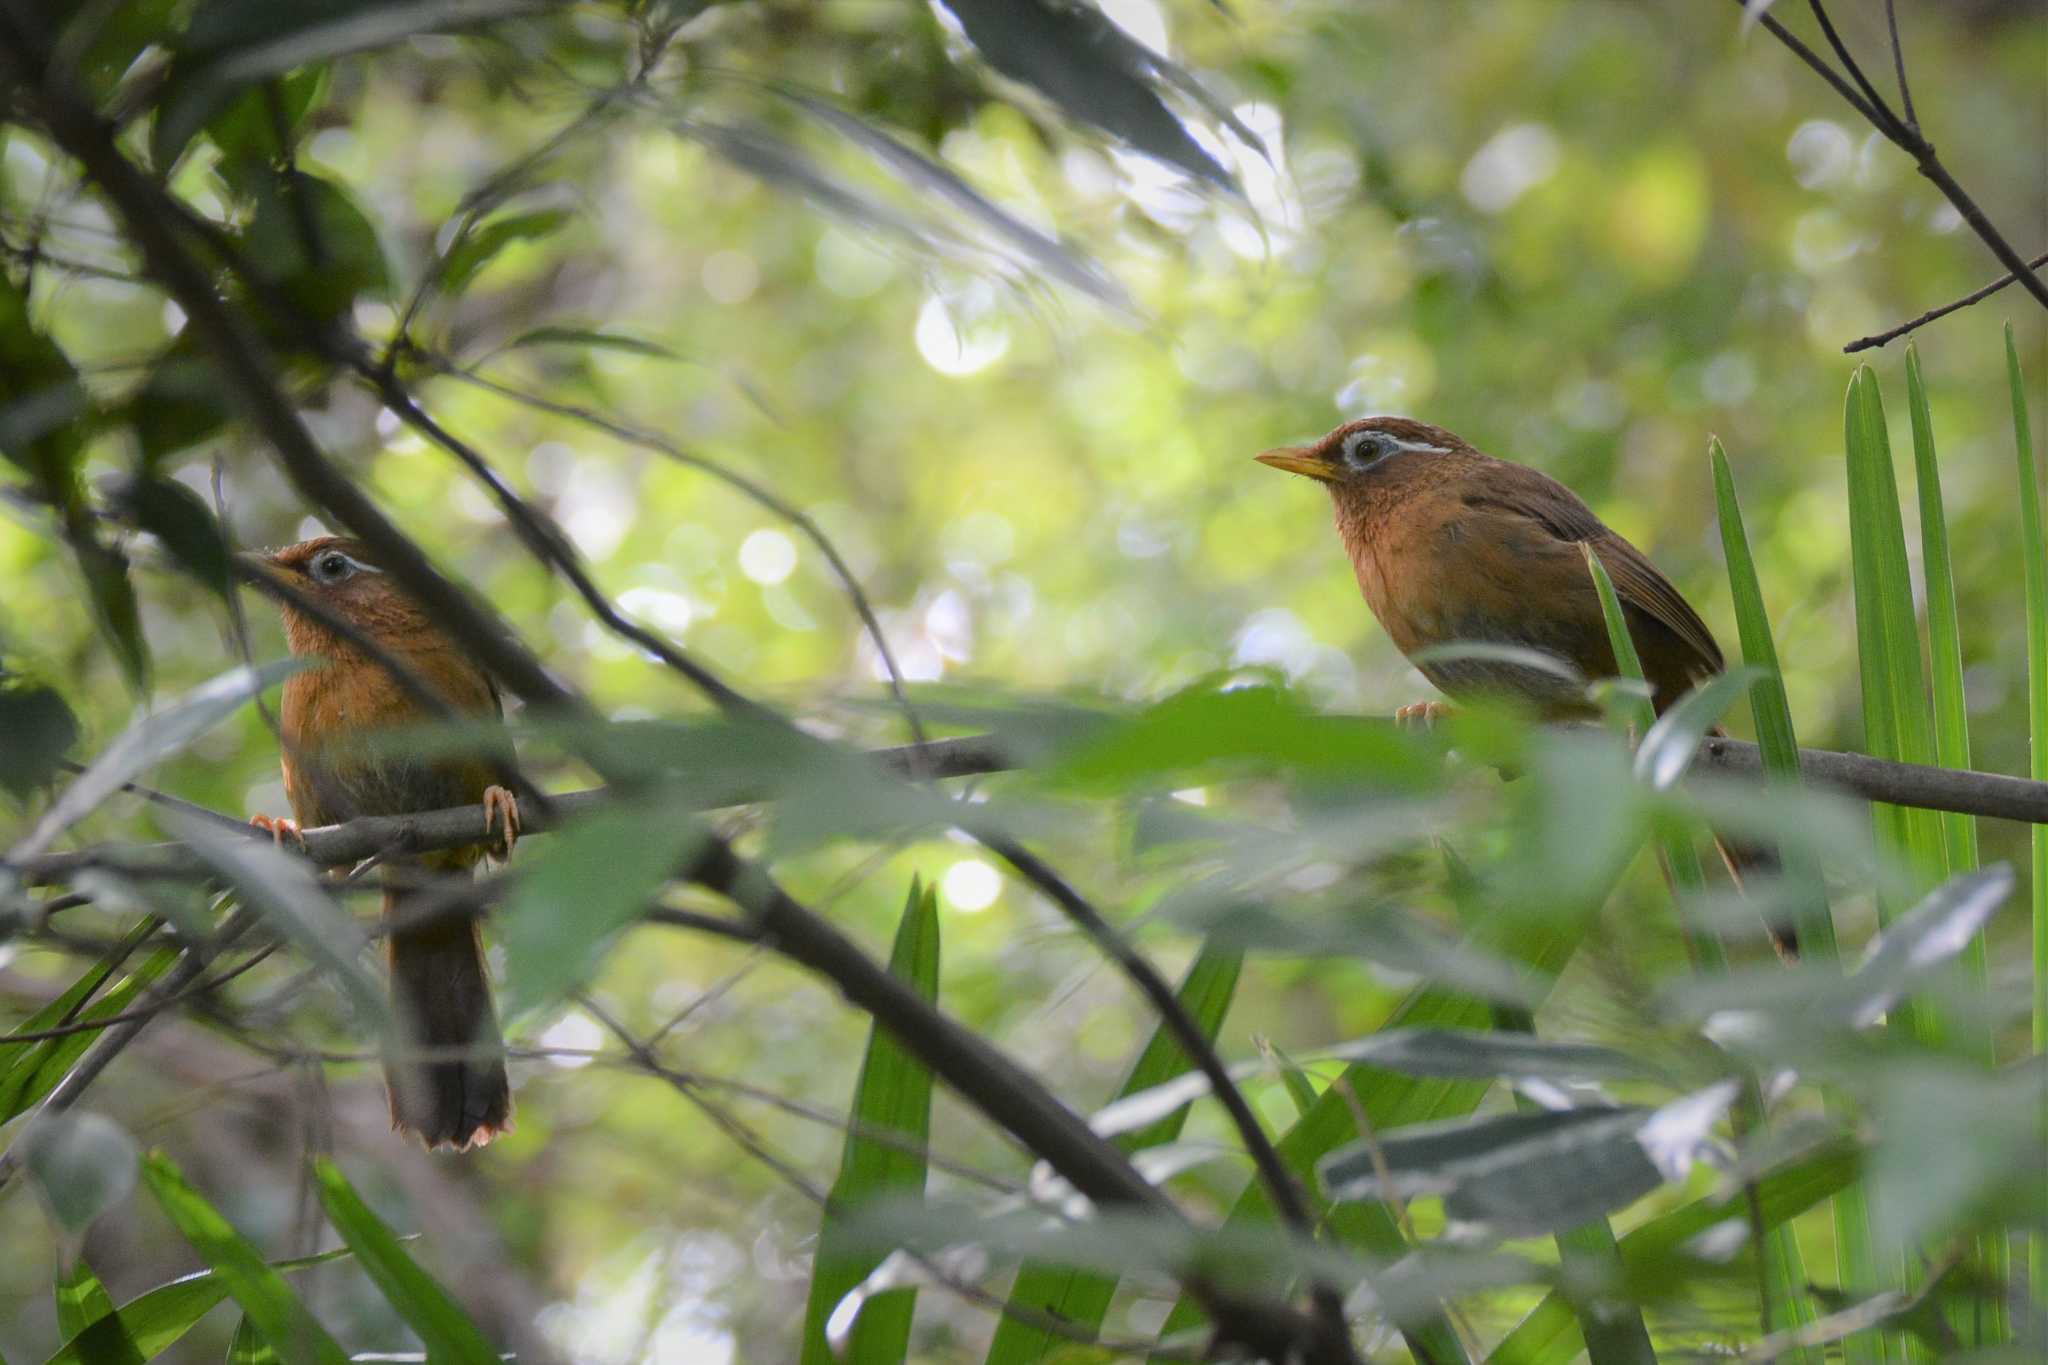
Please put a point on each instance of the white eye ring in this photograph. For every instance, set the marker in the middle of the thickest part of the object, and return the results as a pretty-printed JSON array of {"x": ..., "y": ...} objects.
[
  {"x": 1363, "y": 447},
  {"x": 334, "y": 567}
]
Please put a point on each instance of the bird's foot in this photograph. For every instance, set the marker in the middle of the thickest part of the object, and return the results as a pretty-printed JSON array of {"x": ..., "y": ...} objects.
[
  {"x": 1421, "y": 715},
  {"x": 501, "y": 806},
  {"x": 278, "y": 828}
]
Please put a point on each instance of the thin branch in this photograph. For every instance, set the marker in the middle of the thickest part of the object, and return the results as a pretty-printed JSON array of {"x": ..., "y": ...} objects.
[
  {"x": 115, "y": 1040},
  {"x": 1962, "y": 792},
  {"x": 1273, "y": 1173},
  {"x": 1849, "y": 64},
  {"x": 1935, "y": 314},
  {"x": 1909, "y": 140},
  {"x": 750, "y": 488},
  {"x": 1891, "y": 22}
]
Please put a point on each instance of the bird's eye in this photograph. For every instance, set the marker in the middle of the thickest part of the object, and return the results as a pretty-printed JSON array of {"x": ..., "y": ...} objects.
[
  {"x": 332, "y": 567},
  {"x": 1363, "y": 447}
]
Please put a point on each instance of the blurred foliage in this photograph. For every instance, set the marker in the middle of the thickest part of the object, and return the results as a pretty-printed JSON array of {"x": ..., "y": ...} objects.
[{"x": 1013, "y": 367}]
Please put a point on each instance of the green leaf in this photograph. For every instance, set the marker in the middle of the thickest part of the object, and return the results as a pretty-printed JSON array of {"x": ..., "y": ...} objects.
[
  {"x": 149, "y": 741},
  {"x": 1082, "y": 1296},
  {"x": 1086, "y": 65},
  {"x": 414, "y": 1295},
  {"x": 269, "y": 1302},
  {"x": 81, "y": 1299},
  {"x": 593, "y": 880},
  {"x": 1897, "y": 720},
  {"x": 249, "y": 127},
  {"x": 474, "y": 250},
  {"x": 82, "y": 1164},
  {"x": 180, "y": 518},
  {"x": 37, "y": 728},
  {"x": 1768, "y": 708},
  {"x": 39, "y": 1065},
  {"x": 1392, "y": 1100},
  {"x": 153, "y": 1321},
  {"x": 893, "y": 1094},
  {"x": 310, "y": 240},
  {"x": 1549, "y": 1335},
  {"x": 249, "y": 1347},
  {"x": 595, "y": 340},
  {"x": 231, "y": 44},
  {"x": 290, "y": 897},
  {"x": 1668, "y": 748},
  {"x": 1207, "y": 731}
]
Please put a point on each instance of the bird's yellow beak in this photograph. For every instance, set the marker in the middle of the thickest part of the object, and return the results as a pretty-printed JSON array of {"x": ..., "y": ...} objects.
[{"x": 1299, "y": 460}]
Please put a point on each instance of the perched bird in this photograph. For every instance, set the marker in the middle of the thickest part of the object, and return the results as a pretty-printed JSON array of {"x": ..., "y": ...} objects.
[
  {"x": 1451, "y": 544},
  {"x": 446, "y": 1076}
]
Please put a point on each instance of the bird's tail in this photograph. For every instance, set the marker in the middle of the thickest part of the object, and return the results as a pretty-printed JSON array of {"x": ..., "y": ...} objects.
[
  {"x": 1751, "y": 863},
  {"x": 446, "y": 1077}
]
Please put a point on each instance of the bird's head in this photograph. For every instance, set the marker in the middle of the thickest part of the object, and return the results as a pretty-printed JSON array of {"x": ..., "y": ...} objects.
[
  {"x": 1360, "y": 453},
  {"x": 341, "y": 576}
]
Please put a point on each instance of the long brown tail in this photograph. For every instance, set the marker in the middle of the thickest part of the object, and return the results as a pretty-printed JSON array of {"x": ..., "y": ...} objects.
[{"x": 447, "y": 1082}]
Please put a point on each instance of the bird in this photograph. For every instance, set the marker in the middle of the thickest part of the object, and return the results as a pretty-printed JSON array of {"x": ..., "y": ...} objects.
[
  {"x": 1450, "y": 544},
  {"x": 445, "y": 1073}
]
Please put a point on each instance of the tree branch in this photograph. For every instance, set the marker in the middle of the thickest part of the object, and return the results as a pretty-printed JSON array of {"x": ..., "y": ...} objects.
[
  {"x": 1935, "y": 314},
  {"x": 1908, "y": 139}
]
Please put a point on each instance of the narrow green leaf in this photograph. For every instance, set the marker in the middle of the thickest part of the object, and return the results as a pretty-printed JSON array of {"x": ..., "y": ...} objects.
[
  {"x": 1391, "y": 1099},
  {"x": 1768, "y": 708},
  {"x": 1549, "y": 1335},
  {"x": 284, "y": 1321},
  {"x": 249, "y": 1347},
  {"x": 149, "y": 741},
  {"x": 81, "y": 1299},
  {"x": 1944, "y": 629},
  {"x": 2034, "y": 556},
  {"x": 605, "y": 867},
  {"x": 1898, "y": 719},
  {"x": 449, "y": 1335},
  {"x": 893, "y": 1094},
  {"x": 478, "y": 248},
  {"x": 153, "y": 1321},
  {"x": 1082, "y": 1297},
  {"x": 36, "y": 1071}
]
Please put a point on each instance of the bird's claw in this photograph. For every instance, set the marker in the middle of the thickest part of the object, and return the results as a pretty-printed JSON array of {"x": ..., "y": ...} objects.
[
  {"x": 278, "y": 828},
  {"x": 1421, "y": 715},
  {"x": 501, "y": 805}
]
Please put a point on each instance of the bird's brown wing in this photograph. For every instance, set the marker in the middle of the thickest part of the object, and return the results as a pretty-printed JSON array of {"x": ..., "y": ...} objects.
[{"x": 1523, "y": 492}]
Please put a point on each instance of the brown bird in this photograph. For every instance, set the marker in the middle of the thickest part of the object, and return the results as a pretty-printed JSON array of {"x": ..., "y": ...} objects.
[
  {"x": 446, "y": 1077},
  {"x": 1451, "y": 544}
]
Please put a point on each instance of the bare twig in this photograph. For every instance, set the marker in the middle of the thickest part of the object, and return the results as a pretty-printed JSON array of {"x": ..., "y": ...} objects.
[
  {"x": 1935, "y": 314},
  {"x": 1891, "y": 23},
  {"x": 1907, "y": 138}
]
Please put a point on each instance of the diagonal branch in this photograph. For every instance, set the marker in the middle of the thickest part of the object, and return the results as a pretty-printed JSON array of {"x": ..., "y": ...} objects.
[
  {"x": 1908, "y": 139},
  {"x": 1935, "y": 314}
]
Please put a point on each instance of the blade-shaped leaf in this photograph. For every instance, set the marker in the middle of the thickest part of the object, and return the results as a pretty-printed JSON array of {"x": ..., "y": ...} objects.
[
  {"x": 414, "y": 1295},
  {"x": 150, "y": 741},
  {"x": 1931, "y": 933},
  {"x": 1075, "y": 1294},
  {"x": 572, "y": 901},
  {"x": 284, "y": 1321},
  {"x": 38, "y": 1067},
  {"x": 291, "y": 899},
  {"x": 154, "y": 1320},
  {"x": 1087, "y": 66},
  {"x": 1672, "y": 742},
  {"x": 893, "y": 1094}
]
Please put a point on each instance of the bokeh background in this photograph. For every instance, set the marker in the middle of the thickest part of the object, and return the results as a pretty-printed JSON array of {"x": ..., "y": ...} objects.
[{"x": 1583, "y": 235}]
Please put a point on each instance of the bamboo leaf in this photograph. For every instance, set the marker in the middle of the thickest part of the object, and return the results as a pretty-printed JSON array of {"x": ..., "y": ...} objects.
[
  {"x": 277, "y": 1312},
  {"x": 414, "y": 1295},
  {"x": 892, "y": 1095},
  {"x": 1081, "y": 1296},
  {"x": 153, "y": 1321}
]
